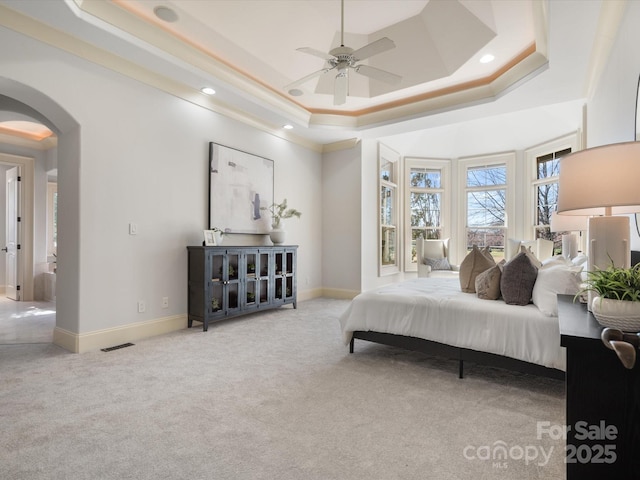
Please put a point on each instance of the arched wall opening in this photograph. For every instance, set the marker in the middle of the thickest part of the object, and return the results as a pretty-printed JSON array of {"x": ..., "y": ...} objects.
[{"x": 23, "y": 99}]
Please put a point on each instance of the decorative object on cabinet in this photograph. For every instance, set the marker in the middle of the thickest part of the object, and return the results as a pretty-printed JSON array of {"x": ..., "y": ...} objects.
[
  {"x": 209, "y": 238},
  {"x": 616, "y": 301},
  {"x": 224, "y": 282},
  {"x": 280, "y": 211},
  {"x": 240, "y": 186}
]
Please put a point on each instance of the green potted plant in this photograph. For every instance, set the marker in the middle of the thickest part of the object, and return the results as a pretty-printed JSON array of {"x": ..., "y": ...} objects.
[
  {"x": 616, "y": 301},
  {"x": 279, "y": 212}
]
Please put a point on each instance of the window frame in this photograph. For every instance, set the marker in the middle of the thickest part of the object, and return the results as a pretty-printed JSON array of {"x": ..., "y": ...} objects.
[
  {"x": 571, "y": 141},
  {"x": 387, "y": 155},
  {"x": 509, "y": 160},
  {"x": 444, "y": 166}
]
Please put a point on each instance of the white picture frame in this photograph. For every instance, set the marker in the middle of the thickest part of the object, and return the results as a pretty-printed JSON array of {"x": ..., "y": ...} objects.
[
  {"x": 240, "y": 188},
  {"x": 209, "y": 238}
]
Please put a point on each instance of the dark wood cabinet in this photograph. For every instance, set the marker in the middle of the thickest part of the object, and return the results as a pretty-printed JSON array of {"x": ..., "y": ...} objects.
[
  {"x": 603, "y": 401},
  {"x": 225, "y": 282}
]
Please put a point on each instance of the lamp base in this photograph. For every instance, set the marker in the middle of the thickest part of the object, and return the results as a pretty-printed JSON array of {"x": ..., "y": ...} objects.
[{"x": 608, "y": 244}]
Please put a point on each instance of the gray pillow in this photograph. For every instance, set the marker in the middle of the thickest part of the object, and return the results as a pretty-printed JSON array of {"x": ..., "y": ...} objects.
[
  {"x": 438, "y": 263},
  {"x": 518, "y": 278},
  {"x": 473, "y": 264}
]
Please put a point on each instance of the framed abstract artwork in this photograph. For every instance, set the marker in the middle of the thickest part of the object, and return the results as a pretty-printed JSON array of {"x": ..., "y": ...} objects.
[{"x": 240, "y": 184}]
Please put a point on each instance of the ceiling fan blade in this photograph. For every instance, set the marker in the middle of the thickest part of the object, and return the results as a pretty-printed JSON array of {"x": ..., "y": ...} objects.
[
  {"x": 317, "y": 53},
  {"x": 305, "y": 79},
  {"x": 340, "y": 88},
  {"x": 377, "y": 74},
  {"x": 374, "y": 48}
]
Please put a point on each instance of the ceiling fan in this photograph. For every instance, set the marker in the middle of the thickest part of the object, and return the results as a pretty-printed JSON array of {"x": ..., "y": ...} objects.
[{"x": 342, "y": 59}]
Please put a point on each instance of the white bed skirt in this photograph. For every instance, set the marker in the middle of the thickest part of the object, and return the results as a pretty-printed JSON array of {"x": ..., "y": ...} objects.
[{"x": 435, "y": 309}]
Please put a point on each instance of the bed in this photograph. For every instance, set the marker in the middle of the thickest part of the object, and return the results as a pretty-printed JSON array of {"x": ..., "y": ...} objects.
[{"x": 433, "y": 315}]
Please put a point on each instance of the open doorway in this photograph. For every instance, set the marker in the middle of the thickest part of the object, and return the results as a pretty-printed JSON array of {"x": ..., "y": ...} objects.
[{"x": 28, "y": 232}]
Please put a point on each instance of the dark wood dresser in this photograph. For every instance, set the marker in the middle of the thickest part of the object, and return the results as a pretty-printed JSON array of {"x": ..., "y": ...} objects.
[{"x": 603, "y": 401}]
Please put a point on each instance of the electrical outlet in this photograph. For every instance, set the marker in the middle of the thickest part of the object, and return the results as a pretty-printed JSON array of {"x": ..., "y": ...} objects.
[
  {"x": 165, "y": 302},
  {"x": 133, "y": 228},
  {"x": 142, "y": 307}
]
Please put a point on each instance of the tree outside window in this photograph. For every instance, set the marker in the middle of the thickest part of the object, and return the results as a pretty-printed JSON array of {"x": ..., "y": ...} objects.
[
  {"x": 546, "y": 195},
  {"x": 486, "y": 207}
]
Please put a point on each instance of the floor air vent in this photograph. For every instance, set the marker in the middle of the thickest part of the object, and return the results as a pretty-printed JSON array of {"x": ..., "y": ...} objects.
[{"x": 117, "y": 347}]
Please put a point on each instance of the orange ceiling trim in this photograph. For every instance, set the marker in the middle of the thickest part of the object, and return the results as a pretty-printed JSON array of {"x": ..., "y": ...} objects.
[
  {"x": 531, "y": 49},
  {"x": 160, "y": 24},
  {"x": 480, "y": 82},
  {"x": 36, "y": 136}
]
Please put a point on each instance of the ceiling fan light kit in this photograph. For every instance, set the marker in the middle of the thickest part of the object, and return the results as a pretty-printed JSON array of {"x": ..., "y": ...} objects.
[{"x": 343, "y": 58}]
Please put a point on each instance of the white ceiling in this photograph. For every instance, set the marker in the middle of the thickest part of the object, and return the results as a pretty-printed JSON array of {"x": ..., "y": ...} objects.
[{"x": 246, "y": 50}]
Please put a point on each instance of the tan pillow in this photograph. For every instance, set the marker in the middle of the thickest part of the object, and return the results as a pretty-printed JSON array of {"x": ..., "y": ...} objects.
[
  {"x": 488, "y": 282},
  {"x": 476, "y": 262},
  {"x": 435, "y": 248}
]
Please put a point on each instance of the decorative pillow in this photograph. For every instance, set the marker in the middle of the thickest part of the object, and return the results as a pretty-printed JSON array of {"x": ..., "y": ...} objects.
[
  {"x": 488, "y": 282},
  {"x": 434, "y": 248},
  {"x": 531, "y": 255},
  {"x": 438, "y": 263},
  {"x": 474, "y": 263},
  {"x": 580, "y": 259},
  {"x": 518, "y": 278},
  {"x": 554, "y": 280},
  {"x": 555, "y": 260}
]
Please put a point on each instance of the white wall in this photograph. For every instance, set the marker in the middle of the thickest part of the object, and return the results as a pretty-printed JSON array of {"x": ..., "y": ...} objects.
[
  {"x": 611, "y": 112},
  {"x": 143, "y": 159},
  {"x": 341, "y": 220}
]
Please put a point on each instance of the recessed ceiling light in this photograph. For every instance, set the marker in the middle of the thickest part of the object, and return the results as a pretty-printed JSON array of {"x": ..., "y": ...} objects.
[
  {"x": 287, "y": 127},
  {"x": 208, "y": 90},
  {"x": 487, "y": 58},
  {"x": 295, "y": 92},
  {"x": 166, "y": 14}
]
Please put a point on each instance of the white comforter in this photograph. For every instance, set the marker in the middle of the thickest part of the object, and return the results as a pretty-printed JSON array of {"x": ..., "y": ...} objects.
[{"x": 435, "y": 309}]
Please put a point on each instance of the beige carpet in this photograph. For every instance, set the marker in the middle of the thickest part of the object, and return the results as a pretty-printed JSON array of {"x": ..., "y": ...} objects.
[{"x": 269, "y": 396}]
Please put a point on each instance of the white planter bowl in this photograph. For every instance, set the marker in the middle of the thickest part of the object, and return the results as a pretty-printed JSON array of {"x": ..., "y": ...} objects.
[
  {"x": 621, "y": 314},
  {"x": 277, "y": 236}
]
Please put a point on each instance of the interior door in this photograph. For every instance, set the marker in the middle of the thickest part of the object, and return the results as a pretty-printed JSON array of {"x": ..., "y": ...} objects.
[{"x": 12, "y": 247}]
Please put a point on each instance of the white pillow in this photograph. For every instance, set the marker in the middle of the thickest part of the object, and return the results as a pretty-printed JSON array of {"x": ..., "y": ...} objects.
[
  {"x": 556, "y": 260},
  {"x": 553, "y": 280}
]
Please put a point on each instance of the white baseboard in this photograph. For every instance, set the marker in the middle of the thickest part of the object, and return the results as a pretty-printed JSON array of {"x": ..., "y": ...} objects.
[
  {"x": 303, "y": 295},
  {"x": 339, "y": 293},
  {"x": 85, "y": 342}
]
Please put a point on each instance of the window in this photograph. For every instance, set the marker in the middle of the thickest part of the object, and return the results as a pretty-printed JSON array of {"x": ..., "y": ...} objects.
[
  {"x": 425, "y": 187},
  {"x": 543, "y": 171},
  {"x": 388, "y": 254},
  {"x": 487, "y": 201},
  {"x": 545, "y": 188}
]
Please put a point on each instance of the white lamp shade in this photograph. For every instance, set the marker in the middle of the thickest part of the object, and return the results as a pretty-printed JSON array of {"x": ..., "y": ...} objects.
[
  {"x": 600, "y": 181},
  {"x": 568, "y": 223}
]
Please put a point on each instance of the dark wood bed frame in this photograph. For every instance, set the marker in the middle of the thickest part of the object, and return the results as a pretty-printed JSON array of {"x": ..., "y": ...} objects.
[{"x": 457, "y": 353}]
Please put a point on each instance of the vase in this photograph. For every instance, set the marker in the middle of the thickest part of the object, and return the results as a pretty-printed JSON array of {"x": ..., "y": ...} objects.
[
  {"x": 621, "y": 314},
  {"x": 277, "y": 235}
]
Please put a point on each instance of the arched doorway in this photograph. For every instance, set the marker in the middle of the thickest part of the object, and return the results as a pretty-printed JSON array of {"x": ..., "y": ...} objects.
[{"x": 25, "y": 100}]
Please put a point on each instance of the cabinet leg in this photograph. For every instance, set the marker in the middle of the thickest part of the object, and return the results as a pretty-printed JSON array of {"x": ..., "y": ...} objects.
[
  {"x": 205, "y": 325},
  {"x": 353, "y": 340},
  {"x": 189, "y": 322}
]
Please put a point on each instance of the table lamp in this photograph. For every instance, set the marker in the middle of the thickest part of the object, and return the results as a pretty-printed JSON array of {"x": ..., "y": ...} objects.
[
  {"x": 569, "y": 223},
  {"x": 602, "y": 182}
]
